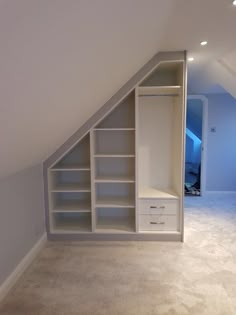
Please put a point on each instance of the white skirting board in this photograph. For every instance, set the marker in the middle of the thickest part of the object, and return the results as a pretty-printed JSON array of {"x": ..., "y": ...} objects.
[
  {"x": 219, "y": 192},
  {"x": 21, "y": 267}
]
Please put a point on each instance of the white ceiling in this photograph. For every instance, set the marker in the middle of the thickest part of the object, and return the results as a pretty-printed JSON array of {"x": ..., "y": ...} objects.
[{"x": 62, "y": 59}]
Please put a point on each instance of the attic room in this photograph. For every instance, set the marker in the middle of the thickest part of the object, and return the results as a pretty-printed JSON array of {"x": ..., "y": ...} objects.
[{"x": 117, "y": 165}]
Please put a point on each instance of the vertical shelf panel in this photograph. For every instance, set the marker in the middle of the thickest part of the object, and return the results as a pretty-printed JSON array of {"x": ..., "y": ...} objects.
[
  {"x": 92, "y": 180},
  {"x": 155, "y": 142}
]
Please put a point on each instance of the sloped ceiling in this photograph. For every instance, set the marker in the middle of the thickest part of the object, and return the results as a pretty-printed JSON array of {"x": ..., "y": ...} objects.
[{"x": 61, "y": 60}]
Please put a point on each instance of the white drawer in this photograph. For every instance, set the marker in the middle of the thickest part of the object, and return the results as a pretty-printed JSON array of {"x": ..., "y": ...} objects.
[
  {"x": 158, "y": 206},
  {"x": 157, "y": 222}
]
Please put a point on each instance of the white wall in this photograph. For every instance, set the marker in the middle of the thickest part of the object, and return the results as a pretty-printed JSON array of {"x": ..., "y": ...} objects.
[
  {"x": 21, "y": 217},
  {"x": 61, "y": 61},
  {"x": 221, "y": 145}
]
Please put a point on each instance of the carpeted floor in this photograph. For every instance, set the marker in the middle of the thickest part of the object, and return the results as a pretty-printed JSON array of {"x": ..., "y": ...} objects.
[{"x": 197, "y": 277}]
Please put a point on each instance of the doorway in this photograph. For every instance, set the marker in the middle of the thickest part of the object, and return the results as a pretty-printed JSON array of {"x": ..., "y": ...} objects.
[{"x": 195, "y": 157}]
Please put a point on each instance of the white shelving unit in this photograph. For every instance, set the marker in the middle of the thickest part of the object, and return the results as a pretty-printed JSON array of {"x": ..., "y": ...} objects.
[
  {"x": 161, "y": 150},
  {"x": 114, "y": 179},
  {"x": 70, "y": 191},
  {"x": 125, "y": 175}
]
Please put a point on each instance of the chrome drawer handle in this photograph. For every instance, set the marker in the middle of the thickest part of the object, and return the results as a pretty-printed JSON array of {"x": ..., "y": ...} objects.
[
  {"x": 155, "y": 207},
  {"x": 157, "y": 222}
]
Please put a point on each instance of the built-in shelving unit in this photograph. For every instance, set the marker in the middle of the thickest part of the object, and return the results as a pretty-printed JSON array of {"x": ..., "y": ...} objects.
[
  {"x": 114, "y": 169},
  {"x": 123, "y": 177},
  {"x": 70, "y": 190},
  {"x": 161, "y": 149}
]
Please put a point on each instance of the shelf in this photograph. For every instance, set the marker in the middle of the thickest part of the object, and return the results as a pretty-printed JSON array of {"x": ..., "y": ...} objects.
[
  {"x": 71, "y": 168},
  {"x": 115, "y": 179},
  {"x": 150, "y": 193},
  {"x": 71, "y": 188},
  {"x": 122, "y": 116},
  {"x": 115, "y": 169},
  {"x": 115, "y": 203},
  {"x": 159, "y": 90},
  {"x": 71, "y": 211},
  {"x": 114, "y": 155},
  {"x": 114, "y": 129},
  {"x": 114, "y": 142},
  {"x": 78, "y": 157},
  {"x": 72, "y": 206},
  {"x": 115, "y": 225},
  {"x": 72, "y": 222}
]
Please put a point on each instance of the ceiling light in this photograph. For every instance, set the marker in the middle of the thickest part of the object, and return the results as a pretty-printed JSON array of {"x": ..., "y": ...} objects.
[
  {"x": 190, "y": 59},
  {"x": 204, "y": 43},
  {"x": 234, "y": 2}
]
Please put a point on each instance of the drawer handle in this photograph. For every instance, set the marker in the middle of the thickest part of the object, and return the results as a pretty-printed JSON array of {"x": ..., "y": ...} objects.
[
  {"x": 155, "y": 207},
  {"x": 157, "y": 222}
]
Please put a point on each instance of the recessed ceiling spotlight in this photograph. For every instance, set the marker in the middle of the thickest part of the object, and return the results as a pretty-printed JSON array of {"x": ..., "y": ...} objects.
[
  {"x": 204, "y": 43},
  {"x": 234, "y": 2},
  {"x": 190, "y": 59}
]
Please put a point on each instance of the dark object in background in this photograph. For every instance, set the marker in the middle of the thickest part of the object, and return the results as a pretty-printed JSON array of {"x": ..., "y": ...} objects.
[
  {"x": 194, "y": 190},
  {"x": 197, "y": 184}
]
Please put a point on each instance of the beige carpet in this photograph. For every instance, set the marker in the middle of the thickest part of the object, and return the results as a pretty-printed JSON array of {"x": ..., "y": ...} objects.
[{"x": 197, "y": 277}]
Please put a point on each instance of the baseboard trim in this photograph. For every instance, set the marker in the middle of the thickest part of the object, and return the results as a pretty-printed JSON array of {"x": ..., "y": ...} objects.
[
  {"x": 21, "y": 267},
  {"x": 162, "y": 237},
  {"x": 225, "y": 192}
]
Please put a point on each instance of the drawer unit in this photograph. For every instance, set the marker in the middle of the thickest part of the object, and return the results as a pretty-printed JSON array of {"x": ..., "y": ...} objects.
[
  {"x": 159, "y": 206},
  {"x": 157, "y": 222}
]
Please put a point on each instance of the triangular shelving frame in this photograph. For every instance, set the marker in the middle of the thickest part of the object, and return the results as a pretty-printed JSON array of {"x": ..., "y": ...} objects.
[{"x": 96, "y": 122}]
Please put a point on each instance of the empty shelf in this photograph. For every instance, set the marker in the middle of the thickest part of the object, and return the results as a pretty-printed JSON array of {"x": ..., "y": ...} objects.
[
  {"x": 115, "y": 179},
  {"x": 72, "y": 188},
  {"x": 72, "y": 207},
  {"x": 72, "y": 224},
  {"x": 71, "y": 211},
  {"x": 114, "y": 155},
  {"x": 115, "y": 129},
  {"x": 115, "y": 225},
  {"x": 115, "y": 203},
  {"x": 70, "y": 168},
  {"x": 155, "y": 193},
  {"x": 159, "y": 90}
]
